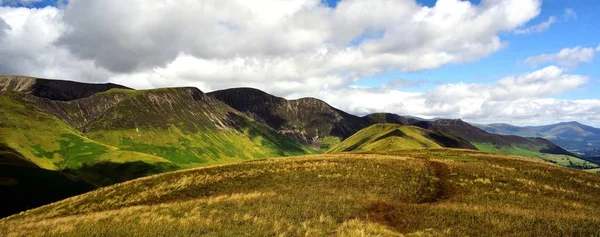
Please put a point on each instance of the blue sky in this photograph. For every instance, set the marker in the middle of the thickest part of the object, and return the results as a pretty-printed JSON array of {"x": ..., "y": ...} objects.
[
  {"x": 347, "y": 56},
  {"x": 582, "y": 31}
]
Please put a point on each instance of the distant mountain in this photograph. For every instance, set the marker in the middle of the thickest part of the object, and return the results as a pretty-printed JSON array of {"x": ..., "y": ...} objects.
[
  {"x": 484, "y": 141},
  {"x": 311, "y": 121},
  {"x": 578, "y": 138},
  {"x": 386, "y": 137}
]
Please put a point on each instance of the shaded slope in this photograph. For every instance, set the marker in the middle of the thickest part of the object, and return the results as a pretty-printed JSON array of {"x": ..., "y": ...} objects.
[
  {"x": 390, "y": 137},
  {"x": 461, "y": 193},
  {"x": 53, "y": 89},
  {"x": 307, "y": 120},
  {"x": 390, "y": 118},
  {"x": 24, "y": 185}
]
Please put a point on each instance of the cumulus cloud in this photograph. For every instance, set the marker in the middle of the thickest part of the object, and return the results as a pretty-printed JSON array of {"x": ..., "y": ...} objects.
[
  {"x": 291, "y": 48},
  {"x": 452, "y": 31},
  {"x": 27, "y": 48},
  {"x": 539, "y": 28},
  {"x": 567, "y": 57},
  {"x": 522, "y": 99},
  {"x": 4, "y": 27}
]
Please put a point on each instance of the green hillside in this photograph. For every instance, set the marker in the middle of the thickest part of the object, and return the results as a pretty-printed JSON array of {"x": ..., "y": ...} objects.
[
  {"x": 386, "y": 137},
  {"x": 389, "y": 137},
  {"x": 181, "y": 126},
  {"x": 424, "y": 192},
  {"x": 24, "y": 185}
]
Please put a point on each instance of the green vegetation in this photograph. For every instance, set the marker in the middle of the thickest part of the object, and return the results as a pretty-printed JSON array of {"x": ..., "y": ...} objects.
[
  {"x": 418, "y": 192},
  {"x": 192, "y": 130},
  {"x": 386, "y": 137},
  {"x": 563, "y": 160},
  {"x": 23, "y": 185},
  {"x": 329, "y": 142},
  {"x": 51, "y": 143}
]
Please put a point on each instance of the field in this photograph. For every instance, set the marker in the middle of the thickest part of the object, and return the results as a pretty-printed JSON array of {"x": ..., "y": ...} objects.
[{"x": 412, "y": 192}]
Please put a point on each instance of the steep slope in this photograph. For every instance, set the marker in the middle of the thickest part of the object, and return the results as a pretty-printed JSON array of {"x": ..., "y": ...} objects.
[
  {"x": 180, "y": 126},
  {"x": 389, "y": 137},
  {"x": 49, "y": 142},
  {"x": 418, "y": 193},
  {"x": 53, "y": 89},
  {"x": 307, "y": 120},
  {"x": 573, "y": 136},
  {"x": 24, "y": 185}
]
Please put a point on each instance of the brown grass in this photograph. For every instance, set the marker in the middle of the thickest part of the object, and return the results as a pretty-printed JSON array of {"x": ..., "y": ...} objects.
[{"x": 416, "y": 193}]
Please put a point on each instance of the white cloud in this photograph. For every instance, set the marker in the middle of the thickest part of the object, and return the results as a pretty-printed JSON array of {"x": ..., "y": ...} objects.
[
  {"x": 569, "y": 14},
  {"x": 539, "y": 28},
  {"x": 27, "y": 47},
  {"x": 567, "y": 57},
  {"x": 290, "y": 48},
  {"x": 521, "y": 99},
  {"x": 266, "y": 31},
  {"x": 598, "y": 48}
]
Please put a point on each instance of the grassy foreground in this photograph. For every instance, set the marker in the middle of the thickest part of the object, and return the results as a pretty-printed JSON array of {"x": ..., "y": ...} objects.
[{"x": 415, "y": 193}]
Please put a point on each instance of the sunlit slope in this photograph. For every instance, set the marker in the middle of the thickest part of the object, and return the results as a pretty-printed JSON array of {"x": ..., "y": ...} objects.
[
  {"x": 181, "y": 126},
  {"x": 423, "y": 192},
  {"x": 51, "y": 143},
  {"x": 389, "y": 137}
]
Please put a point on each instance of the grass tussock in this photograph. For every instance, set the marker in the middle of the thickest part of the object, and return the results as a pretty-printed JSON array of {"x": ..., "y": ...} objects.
[{"x": 436, "y": 192}]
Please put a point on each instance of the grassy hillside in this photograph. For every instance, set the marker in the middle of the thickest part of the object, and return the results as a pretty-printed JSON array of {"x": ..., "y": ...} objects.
[
  {"x": 421, "y": 192},
  {"x": 389, "y": 137},
  {"x": 179, "y": 126},
  {"x": 51, "y": 143},
  {"x": 24, "y": 185}
]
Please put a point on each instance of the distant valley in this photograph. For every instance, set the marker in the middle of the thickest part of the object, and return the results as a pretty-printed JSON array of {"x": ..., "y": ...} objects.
[{"x": 575, "y": 137}]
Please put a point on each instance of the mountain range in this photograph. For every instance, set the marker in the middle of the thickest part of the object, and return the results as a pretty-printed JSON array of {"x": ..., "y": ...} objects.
[
  {"x": 96, "y": 135},
  {"x": 575, "y": 137}
]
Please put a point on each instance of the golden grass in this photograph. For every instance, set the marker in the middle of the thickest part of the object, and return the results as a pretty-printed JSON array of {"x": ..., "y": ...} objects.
[{"x": 417, "y": 193}]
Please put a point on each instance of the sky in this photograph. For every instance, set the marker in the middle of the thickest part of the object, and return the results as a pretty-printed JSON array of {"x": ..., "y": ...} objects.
[{"x": 524, "y": 62}]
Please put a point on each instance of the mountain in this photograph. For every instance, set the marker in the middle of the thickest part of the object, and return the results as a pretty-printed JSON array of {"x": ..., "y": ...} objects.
[
  {"x": 435, "y": 192},
  {"x": 578, "y": 138},
  {"x": 53, "y": 89},
  {"x": 181, "y": 126},
  {"x": 115, "y": 135},
  {"x": 307, "y": 120},
  {"x": 384, "y": 137},
  {"x": 315, "y": 123}
]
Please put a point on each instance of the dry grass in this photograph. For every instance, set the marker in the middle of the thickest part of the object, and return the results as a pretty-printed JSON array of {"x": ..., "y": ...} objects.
[{"x": 416, "y": 193}]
